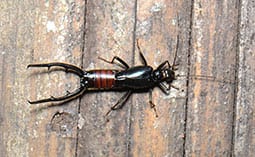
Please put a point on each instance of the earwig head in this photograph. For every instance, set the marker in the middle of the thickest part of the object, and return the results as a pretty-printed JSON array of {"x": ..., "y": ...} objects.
[
  {"x": 168, "y": 75},
  {"x": 161, "y": 75},
  {"x": 164, "y": 75}
]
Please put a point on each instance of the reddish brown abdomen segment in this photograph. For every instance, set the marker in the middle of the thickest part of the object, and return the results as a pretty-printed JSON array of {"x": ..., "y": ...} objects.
[{"x": 101, "y": 79}]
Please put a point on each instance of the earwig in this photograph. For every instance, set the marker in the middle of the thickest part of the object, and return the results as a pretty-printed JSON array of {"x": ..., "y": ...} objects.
[{"x": 129, "y": 79}]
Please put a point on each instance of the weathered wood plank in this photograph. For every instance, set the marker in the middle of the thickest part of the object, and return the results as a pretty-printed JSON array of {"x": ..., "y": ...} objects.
[
  {"x": 58, "y": 35},
  {"x": 159, "y": 25},
  {"x": 244, "y": 120},
  {"x": 109, "y": 32},
  {"x": 36, "y": 31},
  {"x": 211, "y": 103},
  {"x": 15, "y": 46}
]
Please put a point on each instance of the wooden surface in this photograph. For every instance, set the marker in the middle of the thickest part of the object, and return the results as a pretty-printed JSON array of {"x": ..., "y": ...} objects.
[{"x": 203, "y": 118}]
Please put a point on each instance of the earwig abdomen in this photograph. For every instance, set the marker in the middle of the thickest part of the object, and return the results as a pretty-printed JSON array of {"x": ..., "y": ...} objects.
[{"x": 100, "y": 79}]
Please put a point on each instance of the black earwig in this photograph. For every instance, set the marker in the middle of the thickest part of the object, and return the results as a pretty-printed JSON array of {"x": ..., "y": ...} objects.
[{"x": 130, "y": 79}]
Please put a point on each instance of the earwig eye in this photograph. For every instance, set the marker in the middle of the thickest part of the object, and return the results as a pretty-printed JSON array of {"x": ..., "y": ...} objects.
[{"x": 169, "y": 75}]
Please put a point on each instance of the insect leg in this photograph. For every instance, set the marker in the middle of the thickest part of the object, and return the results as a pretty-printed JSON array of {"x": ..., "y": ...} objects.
[
  {"x": 174, "y": 87},
  {"x": 153, "y": 106},
  {"x": 162, "y": 65},
  {"x": 164, "y": 88},
  {"x": 120, "y": 103},
  {"x": 141, "y": 54},
  {"x": 121, "y": 63}
]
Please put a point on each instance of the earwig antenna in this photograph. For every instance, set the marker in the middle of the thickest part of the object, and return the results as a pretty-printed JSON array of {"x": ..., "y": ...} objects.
[
  {"x": 204, "y": 77},
  {"x": 175, "y": 55}
]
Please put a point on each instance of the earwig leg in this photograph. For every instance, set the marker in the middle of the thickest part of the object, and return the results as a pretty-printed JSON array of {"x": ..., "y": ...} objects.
[
  {"x": 174, "y": 87},
  {"x": 161, "y": 66},
  {"x": 141, "y": 54},
  {"x": 164, "y": 88},
  {"x": 153, "y": 106},
  {"x": 121, "y": 63},
  {"x": 175, "y": 67},
  {"x": 120, "y": 103},
  {"x": 73, "y": 68},
  {"x": 68, "y": 96}
]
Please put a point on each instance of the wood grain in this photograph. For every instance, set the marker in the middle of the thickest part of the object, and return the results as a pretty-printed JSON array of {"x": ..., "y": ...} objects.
[
  {"x": 58, "y": 29},
  {"x": 163, "y": 29},
  {"x": 244, "y": 143},
  {"x": 37, "y": 31},
  {"x": 109, "y": 33},
  {"x": 204, "y": 118},
  {"x": 210, "y": 105}
]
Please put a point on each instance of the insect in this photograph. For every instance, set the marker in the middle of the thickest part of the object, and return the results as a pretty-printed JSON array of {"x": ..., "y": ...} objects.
[{"x": 129, "y": 79}]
